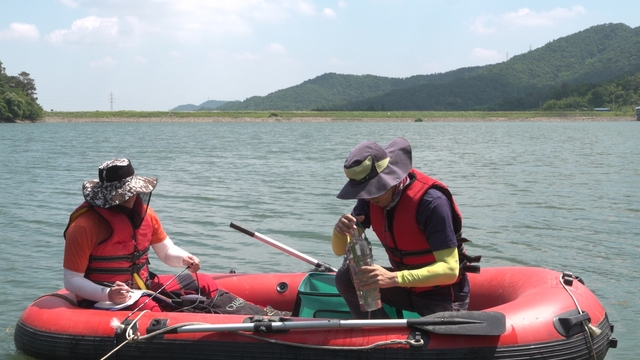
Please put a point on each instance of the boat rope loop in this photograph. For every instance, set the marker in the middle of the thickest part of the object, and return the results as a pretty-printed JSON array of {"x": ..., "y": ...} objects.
[
  {"x": 591, "y": 330},
  {"x": 130, "y": 336}
]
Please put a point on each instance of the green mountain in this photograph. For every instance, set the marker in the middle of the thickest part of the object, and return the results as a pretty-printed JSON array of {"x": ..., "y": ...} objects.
[
  {"x": 331, "y": 88},
  {"x": 205, "y": 106},
  {"x": 593, "y": 56}
]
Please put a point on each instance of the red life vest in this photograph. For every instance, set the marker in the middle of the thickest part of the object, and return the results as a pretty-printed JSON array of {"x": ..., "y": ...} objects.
[
  {"x": 412, "y": 251},
  {"x": 121, "y": 255}
]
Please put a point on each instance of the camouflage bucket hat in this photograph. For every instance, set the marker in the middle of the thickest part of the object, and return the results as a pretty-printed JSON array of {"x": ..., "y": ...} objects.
[{"x": 116, "y": 183}]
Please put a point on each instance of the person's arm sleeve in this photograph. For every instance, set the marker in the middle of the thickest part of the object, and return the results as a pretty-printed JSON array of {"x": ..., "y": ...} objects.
[
  {"x": 435, "y": 216},
  {"x": 339, "y": 241},
  {"x": 443, "y": 272},
  {"x": 169, "y": 253},
  {"x": 76, "y": 283}
]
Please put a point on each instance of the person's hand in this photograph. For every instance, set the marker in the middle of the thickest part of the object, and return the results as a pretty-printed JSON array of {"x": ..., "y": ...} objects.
[
  {"x": 347, "y": 224},
  {"x": 192, "y": 262},
  {"x": 118, "y": 293},
  {"x": 375, "y": 276}
]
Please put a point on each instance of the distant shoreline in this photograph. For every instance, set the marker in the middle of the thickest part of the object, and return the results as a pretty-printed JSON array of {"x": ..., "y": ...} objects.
[
  {"x": 329, "y": 116},
  {"x": 331, "y": 119}
]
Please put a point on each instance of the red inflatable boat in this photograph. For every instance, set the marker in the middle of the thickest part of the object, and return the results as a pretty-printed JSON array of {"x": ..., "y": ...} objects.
[{"x": 514, "y": 313}]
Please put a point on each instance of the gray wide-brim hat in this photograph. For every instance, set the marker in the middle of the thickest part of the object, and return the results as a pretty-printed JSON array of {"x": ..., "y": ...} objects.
[
  {"x": 116, "y": 183},
  {"x": 372, "y": 170}
]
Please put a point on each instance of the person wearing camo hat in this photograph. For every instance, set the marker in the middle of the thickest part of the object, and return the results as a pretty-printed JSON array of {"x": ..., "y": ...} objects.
[
  {"x": 419, "y": 225},
  {"x": 107, "y": 242}
]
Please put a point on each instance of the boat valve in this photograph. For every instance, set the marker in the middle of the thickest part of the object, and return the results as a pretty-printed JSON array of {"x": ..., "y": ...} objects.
[{"x": 282, "y": 287}]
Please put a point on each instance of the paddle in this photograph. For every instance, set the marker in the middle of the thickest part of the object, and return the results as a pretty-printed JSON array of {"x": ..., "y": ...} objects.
[
  {"x": 321, "y": 266},
  {"x": 450, "y": 323}
]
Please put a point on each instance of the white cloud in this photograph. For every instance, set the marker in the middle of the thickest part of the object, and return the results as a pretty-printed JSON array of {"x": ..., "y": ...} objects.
[
  {"x": 527, "y": 17},
  {"x": 107, "y": 61},
  {"x": 342, "y": 4},
  {"x": 194, "y": 20},
  {"x": 276, "y": 48},
  {"x": 88, "y": 30},
  {"x": 482, "y": 26},
  {"x": 188, "y": 21},
  {"x": 20, "y": 31},
  {"x": 329, "y": 13},
  {"x": 486, "y": 55},
  {"x": 524, "y": 17},
  {"x": 305, "y": 7}
]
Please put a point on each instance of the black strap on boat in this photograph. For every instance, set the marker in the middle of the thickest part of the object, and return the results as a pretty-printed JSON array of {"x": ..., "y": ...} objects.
[
  {"x": 571, "y": 322},
  {"x": 264, "y": 325}
]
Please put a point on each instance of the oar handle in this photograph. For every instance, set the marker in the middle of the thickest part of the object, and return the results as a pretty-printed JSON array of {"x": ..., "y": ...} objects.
[
  {"x": 242, "y": 230},
  {"x": 293, "y": 252},
  {"x": 267, "y": 326},
  {"x": 453, "y": 323}
]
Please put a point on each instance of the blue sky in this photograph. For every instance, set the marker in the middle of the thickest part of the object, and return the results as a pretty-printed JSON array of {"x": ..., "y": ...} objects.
[{"x": 157, "y": 54}]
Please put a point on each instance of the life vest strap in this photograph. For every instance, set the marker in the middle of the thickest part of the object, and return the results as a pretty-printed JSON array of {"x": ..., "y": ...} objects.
[
  {"x": 406, "y": 253},
  {"x": 132, "y": 257},
  {"x": 134, "y": 269}
]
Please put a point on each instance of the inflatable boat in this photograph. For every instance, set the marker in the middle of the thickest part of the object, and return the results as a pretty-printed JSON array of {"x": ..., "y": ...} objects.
[{"x": 514, "y": 313}]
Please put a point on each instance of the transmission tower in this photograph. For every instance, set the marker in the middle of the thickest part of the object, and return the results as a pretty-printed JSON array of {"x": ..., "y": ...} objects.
[{"x": 111, "y": 100}]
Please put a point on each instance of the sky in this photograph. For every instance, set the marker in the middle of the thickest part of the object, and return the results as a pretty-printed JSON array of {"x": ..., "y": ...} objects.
[{"x": 153, "y": 55}]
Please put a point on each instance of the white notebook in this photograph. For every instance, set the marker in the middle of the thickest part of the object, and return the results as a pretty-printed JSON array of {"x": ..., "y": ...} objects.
[{"x": 134, "y": 295}]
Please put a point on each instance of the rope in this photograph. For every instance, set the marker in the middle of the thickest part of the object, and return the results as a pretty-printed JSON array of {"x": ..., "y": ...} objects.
[
  {"x": 133, "y": 338},
  {"x": 589, "y": 328},
  {"x": 414, "y": 343},
  {"x": 129, "y": 335},
  {"x": 155, "y": 293}
]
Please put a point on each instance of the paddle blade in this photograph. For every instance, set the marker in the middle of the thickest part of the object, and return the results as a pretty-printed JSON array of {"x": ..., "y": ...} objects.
[{"x": 483, "y": 323}]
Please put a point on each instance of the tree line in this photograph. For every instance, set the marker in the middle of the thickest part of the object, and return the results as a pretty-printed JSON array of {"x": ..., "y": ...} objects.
[{"x": 18, "y": 100}]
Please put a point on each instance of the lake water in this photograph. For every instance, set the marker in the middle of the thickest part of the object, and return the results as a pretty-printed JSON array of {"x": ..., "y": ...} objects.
[{"x": 559, "y": 195}]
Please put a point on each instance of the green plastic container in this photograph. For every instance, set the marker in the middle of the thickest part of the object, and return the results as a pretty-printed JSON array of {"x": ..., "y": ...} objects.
[{"x": 319, "y": 297}]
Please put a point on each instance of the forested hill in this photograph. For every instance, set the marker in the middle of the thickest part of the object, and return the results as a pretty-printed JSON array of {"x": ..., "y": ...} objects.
[
  {"x": 595, "y": 55},
  {"x": 330, "y": 89},
  {"x": 205, "y": 106}
]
